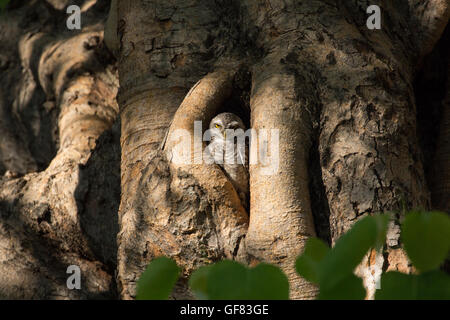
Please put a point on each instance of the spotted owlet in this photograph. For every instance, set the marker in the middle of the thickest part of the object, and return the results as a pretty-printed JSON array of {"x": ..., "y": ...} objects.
[{"x": 228, "y": 149}]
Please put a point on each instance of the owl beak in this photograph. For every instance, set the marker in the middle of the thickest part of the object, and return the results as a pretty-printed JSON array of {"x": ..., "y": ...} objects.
[{"x": 225, "y": 134}]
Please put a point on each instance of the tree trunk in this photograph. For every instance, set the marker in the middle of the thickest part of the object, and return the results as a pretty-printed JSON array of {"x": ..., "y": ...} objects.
[{"x": 341, "y": 99}]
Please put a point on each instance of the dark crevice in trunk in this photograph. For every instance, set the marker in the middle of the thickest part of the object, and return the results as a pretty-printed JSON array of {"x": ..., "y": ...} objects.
[
  {"x": 239, "y": 100},
  {"x": 319, "y": 202},
  {"x": 430, "y": 87}
]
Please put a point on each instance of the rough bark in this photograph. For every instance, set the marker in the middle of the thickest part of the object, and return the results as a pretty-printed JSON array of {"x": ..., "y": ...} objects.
[{"x": 301, "y": 57}]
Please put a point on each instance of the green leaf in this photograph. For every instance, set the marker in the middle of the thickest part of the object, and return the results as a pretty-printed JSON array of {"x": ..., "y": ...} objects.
[
  {"x": 396, "y": 286},
  {"x": 382, "y": 221},
  {"x": 350, "y": 248},
  {"x": 348, "y": 288},
  {"x": 426, "y": 237},
  {"x": 434, "y": 285},
  {"x": 227, "y": 281},
  {"x": 308, "y": 263},
  {"x": 157, "y": 281},
  {"x": 230, "y": 280}
]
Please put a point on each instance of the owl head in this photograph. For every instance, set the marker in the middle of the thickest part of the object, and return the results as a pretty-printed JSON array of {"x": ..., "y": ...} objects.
[{"x": 223, "y": 121}]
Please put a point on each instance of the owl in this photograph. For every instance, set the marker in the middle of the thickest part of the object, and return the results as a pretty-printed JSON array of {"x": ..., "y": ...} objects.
[{"x": 229, "y": 150}]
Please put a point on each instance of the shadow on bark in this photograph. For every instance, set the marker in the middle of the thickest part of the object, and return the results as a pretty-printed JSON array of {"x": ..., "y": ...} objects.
[
  {"x": 41, "y": 270},
  {"x": 98, "y": 196}
]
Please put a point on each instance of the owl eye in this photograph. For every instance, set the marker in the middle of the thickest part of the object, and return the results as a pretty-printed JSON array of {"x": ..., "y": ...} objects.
[{"x": 217, "y": 125}]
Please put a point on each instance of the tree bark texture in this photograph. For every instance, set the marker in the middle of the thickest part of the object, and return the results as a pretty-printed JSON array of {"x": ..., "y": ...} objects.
[
  {"x": 83, "y": 169},
  {"x": 58, "y": 201}
]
